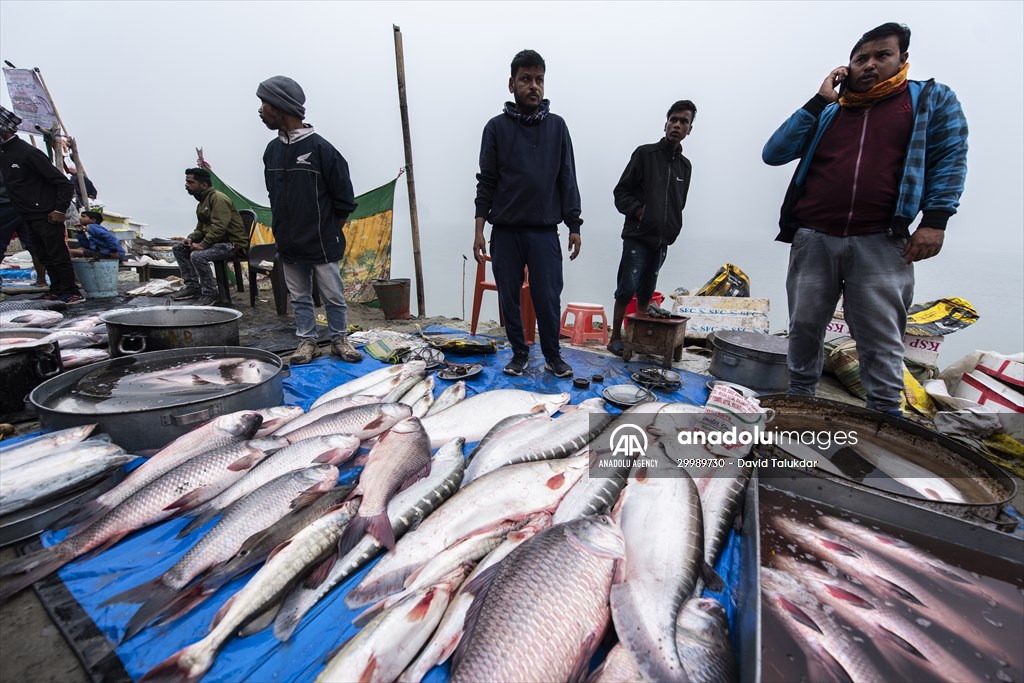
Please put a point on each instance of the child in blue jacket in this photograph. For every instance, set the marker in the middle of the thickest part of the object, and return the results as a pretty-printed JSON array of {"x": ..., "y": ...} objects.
[{"x": 95, "y": 240}]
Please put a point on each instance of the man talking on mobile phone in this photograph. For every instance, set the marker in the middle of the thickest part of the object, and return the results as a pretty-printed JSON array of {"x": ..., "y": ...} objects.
[{"x": 873, "y": 156}]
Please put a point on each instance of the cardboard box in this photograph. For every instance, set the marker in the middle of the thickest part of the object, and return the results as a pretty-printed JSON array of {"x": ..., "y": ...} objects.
[
  {"x": 920, "y": 349},
  {"x": 1002, "y": 368},
  {"x": 717, "y": 313},
  {"x": 980, "y": 388}
]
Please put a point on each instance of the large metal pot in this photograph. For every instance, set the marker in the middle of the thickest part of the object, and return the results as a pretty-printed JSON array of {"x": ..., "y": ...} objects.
[
  {"x": 752, "y": 359},
  {"x": 23, "y": 368},
  {"x": 137, "y": 428},
  {"x": 159, "y": 328}
]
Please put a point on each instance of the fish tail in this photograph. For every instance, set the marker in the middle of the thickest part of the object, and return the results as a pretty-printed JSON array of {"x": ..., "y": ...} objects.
[
  {"x": 183, "y": 603},
  {"x": 174, "y": 670},
  {"x": 378, "y": 526},
  {"x": 161, "y": 597},
  {"x": 140, "y": 593},
  {"x": 197, "y": 521},
  {"x": 30, "y": 569},
  {"x": 362, "y": 595}
]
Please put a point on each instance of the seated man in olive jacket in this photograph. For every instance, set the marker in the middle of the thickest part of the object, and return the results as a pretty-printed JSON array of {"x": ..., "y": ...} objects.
[{"x": 219, "y": 233}]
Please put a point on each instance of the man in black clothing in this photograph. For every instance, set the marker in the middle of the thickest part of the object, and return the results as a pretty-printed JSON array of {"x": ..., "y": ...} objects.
[
  {"x": 651, "y": 194},
  {"x": 42, "y": 195},
  {"x": 525, "y": 188}
]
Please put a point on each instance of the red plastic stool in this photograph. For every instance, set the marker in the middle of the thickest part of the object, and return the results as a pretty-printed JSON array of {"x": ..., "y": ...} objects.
[
  {"x": 582, "y": 327},
  {"x": 657, "y": 299}
]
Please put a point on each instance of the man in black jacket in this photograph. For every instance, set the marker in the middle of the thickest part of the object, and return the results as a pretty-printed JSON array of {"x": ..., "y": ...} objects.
[
  {"x": 525, "y": 188},
  {"x": 42, "y": 195},
  {"x": 651, "y": 194},
  {"x": 311, "y": 197}
]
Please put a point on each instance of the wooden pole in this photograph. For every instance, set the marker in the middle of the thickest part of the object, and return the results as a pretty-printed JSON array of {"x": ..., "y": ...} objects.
[
  {"x": 421, "y": 307},
  {"x": 79, "y": 169}
]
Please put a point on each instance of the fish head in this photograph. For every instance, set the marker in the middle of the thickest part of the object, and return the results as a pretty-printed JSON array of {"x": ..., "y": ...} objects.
[
  {"x": 408, "y": 426},
  {"x": 320, "y": 477},
  {"x": 395, "y": 412},
  {"x": 599, "y": 535},
  {"x": 704, "y": 614},
  {"x": 242, "y": 424},
  {"x": 344, "y": 442},
  {"x": 249, "y": 372},
  {"x": 279, "y": 415},
  {"x": 414, "y": 368},
  {"x": 550, "y": 403}
]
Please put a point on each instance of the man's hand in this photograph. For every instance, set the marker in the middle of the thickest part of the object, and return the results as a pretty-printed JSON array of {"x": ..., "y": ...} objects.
[
  {"x": 575, "y": 242},
  {"x": 479, "y": 247},
  {"x": 640, "y": 215},
  {"x": 56, "y": 216},
  {"x": 832, "y": 81},
  {"x": 187, "y": 241},
  {"x": 196, "y": 246},
  {"x": 923, "y": 244}
]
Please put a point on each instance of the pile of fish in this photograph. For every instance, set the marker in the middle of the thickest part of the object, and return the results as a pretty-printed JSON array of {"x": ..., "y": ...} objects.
[
  {"x": 82, "y": 339},
  {"x": 511, "y": 561},
  {"x": 862, "y": 605},
  {"x": 38, "y": 470}
]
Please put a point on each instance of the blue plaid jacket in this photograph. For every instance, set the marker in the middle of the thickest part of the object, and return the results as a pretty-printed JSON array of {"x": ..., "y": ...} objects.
[{"x": 933, "y": 173}]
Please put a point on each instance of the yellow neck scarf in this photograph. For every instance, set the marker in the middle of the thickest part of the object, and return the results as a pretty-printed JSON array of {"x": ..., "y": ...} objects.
[{"x": 878, "y": 92}]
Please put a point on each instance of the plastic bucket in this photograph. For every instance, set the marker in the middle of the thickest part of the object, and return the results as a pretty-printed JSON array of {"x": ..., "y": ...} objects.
[
  {"x": 657, "y": 299},
  {"x": 393, "y": 295},
  {"x": 98, "y": 278}
]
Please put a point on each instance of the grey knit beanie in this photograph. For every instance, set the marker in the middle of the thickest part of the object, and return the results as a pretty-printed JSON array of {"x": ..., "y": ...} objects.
[{"x": 284, "y": 94}]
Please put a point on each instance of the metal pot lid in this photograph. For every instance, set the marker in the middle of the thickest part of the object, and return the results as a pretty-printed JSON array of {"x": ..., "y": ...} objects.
[
  {"x": 170, "y": 316},
  {"x": 753, "y": 344}
]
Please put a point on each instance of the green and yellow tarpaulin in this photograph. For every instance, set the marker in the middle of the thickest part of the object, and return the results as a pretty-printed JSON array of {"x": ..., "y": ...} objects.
[{"x": 367, "y": 236}]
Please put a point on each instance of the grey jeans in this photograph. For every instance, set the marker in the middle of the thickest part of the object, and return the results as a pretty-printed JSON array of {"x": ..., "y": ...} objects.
[
  {"x": 299, "y": 278},
  {"x": 877, "y": 289},
  {"x": 195, "y": 266}
]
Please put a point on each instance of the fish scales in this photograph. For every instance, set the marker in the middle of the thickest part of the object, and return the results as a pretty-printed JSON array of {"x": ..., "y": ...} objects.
[
  {"x": 405, "y": 511},
  {"x": 547, "y": 608},
  {"x": 538, "y": 440},
  {"x": 473, "y": 417},
  {"x": 327, "y": 408},
  {"x": 288, "y": 564},
  {"x": 363, "y": 422},
  {"x": 249, "y": 515},
  {"x": 703, "y": 643},
  {"x": 368, "y": 380},
  {"x": 508, "y": 493}
]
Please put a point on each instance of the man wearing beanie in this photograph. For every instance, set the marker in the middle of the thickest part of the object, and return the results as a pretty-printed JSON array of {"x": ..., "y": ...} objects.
[
  {"x": 311, "y": 198},
  {"x": 41, "y": 195}
]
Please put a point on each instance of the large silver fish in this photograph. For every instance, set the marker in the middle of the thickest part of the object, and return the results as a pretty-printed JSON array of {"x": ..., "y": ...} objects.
[
  {"x": 327, "y": 408},
  {"x": 511, "y": 493},
  {"x": 382, "y": 648},
  {"x": 363, "y": 422},
  {"x": 191, "y": 483},
  {"x": 359, "y": 384},
  {"x": 597, "y": 492},
  {"x": 30, "y": 318},
  {"x": 721, "y": 497},
  {"x": 703, "y": 644},
  {"x": 473, "y": 417},
  {"x": 397, "y": 460},
  {"x": 276, "y": 418},
  {"x": 334, "y": 450},
  {"x": 450, "y": 631},
  {"x": 546, "y": 610},
  {"x": 542, "y": 439},
  {"x": 45, "y": 476},
  {"x": 249, "y": 515},
  {"x": 405, "y": 511},
  {"x": 44, "y": 444},
  {"x": 222, "y": 431},
  {"x": 289, "y": 562},
  {"x": 657, "y": 576}
]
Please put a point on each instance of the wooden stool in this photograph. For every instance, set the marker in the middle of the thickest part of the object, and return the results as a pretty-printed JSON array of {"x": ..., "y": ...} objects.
[
  {"x": 656, "y": 336},
  {"x": 582, "y": 327}
]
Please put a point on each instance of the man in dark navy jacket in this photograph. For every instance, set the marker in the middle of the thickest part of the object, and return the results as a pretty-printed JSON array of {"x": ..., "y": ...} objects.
[
  {"x": 525, "y": 188},
  {"x": 651, "y": 195},
  {"x": 311, "y": 198}
]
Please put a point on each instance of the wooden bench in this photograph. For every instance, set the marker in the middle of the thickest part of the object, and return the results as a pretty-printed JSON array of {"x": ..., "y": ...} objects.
[{"x": 656, "y": 336}]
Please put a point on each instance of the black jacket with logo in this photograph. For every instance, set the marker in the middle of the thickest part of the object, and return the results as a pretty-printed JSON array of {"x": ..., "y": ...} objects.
[
  {"x": 34, "y": 185},
  {"x": 310, "y": 195},
  {"x": 656, "y": 178}
]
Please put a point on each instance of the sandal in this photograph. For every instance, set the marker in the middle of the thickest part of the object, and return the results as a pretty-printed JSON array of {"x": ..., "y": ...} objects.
[{"x": 616, "y": 347}]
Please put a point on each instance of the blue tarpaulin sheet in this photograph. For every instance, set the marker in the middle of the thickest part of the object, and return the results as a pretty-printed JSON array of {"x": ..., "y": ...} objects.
[{"x": 146, "y": 555}]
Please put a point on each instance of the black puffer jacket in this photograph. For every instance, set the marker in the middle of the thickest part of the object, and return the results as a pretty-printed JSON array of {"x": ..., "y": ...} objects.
[
  {"x": 34, "y": 185},
  {"x": 310, "y": 195},
  {"x": 656, "y": 178}
]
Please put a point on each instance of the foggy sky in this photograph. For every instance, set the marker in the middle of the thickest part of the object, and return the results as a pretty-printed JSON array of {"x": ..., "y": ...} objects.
[{"x": 142, "y": 84}]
